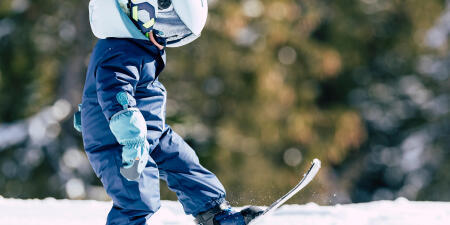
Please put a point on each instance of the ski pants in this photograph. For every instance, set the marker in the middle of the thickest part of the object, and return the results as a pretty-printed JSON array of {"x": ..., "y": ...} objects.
[{"x": 174, "y": 161}]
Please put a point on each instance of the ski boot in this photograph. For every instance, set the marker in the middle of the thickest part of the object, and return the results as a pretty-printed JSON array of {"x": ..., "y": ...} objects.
[{"x": 224, "y": 215}]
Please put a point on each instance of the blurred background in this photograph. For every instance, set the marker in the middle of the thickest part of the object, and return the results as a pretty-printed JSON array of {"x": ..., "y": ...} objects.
[{"x": 362, "y": 85}]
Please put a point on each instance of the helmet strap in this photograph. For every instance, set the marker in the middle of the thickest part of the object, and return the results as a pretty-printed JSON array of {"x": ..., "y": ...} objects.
[{"x": 153, "y": 40}]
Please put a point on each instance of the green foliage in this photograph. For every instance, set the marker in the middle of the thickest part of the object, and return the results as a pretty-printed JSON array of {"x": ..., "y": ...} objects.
[{"x": 269, "y": 86}]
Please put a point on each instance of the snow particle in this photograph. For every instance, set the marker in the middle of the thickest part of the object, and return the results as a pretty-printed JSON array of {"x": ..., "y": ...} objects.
[
  {"x": 287, "y": 55},
  {"x": 61, "y": 109},
  {"x": 6, "y": 27},
  {"x": 292, "y": 157},
  {"x": 20, "y": 6},
  {"x": 67, "y": 31},
  {"x": 383, "y": 194},
  {"x": 247, "y": 36},
  {"x": 36, "y": 129},
  {"x": 252, "y": 8},
  {"x": 52, "y": 130},
  {"x": 73, "y": 158},
  {"x": 213, "y": 86},
  {"x": 9, "y": 169},
  {"x": 33, "y": 157},
  {"x": 75, "y": 188}
]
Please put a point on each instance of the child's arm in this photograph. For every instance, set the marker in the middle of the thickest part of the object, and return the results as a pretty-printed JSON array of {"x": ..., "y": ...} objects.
[
  {"x": 116, "y": 80},
  {"x": 116, "y": 75}
]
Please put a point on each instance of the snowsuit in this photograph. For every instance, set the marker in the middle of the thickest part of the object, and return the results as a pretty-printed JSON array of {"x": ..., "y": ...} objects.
[{"x": 133, "y": 66}]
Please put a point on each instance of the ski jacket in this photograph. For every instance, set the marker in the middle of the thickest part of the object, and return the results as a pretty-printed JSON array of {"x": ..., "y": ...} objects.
[{"x": 122, "y": 65}]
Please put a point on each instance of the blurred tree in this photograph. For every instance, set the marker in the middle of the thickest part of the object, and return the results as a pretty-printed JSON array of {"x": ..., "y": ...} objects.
[
  {"x": 44, "y": 48},
  {"x": 360, "y": 84}
]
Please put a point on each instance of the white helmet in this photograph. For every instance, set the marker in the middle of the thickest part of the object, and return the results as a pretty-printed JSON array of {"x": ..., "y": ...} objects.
[
  {"x": 178, "y": 21},
  {"x": 193, "y": 15}
]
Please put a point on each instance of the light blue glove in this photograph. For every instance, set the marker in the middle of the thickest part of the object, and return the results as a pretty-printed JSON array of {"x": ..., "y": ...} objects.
[
  {"x": 130, "y": 129},
  {"x": 77, "y": 119}
]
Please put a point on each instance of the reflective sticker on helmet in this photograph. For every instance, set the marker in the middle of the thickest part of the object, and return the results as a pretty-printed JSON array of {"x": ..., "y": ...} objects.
[
  {"x": 149, "y": 23},
  {"x": 143, "y": 15},
  {"x": 135, "y": 13}
]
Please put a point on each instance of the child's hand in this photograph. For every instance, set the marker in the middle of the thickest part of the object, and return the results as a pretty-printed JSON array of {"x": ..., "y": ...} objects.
[
  {"x": 134, "y": 159},
  {"x": 130, "y": 129}
]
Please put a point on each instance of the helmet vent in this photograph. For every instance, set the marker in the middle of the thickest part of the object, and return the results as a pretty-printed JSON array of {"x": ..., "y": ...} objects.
[{"x": 164, "y": 4}]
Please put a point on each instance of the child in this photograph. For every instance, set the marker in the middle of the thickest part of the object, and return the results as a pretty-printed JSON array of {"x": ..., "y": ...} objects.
[{"x": 123, "y": 113}]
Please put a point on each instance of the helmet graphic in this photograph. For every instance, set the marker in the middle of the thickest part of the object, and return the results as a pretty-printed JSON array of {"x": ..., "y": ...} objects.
[
  {"x": 178, "y": 21},
  {"x": 143, "y": 14}
]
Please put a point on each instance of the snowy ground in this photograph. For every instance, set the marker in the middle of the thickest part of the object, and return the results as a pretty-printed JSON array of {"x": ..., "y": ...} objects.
[{"x": 399, "y": 212}]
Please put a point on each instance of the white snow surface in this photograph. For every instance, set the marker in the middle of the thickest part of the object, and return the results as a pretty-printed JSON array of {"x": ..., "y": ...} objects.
[{"x": 70, "y": 212}]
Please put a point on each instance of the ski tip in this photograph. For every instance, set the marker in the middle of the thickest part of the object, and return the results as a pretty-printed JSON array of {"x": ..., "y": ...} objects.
[{"x": 316, "y": 162}]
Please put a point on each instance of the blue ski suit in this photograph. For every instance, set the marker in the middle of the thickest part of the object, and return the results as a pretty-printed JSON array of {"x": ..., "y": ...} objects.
[{"x": 132, "y": 65}]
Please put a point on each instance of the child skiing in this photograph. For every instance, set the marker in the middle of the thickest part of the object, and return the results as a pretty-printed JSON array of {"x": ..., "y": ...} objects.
[{"x": 125, "y": 136}]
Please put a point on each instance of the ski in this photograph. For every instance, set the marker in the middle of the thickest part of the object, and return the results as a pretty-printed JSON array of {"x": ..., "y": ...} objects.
[{"x": 307, "y": 178}]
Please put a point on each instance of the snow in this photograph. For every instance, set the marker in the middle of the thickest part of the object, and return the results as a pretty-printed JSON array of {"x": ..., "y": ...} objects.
[{"x": 70, "y": 212}]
